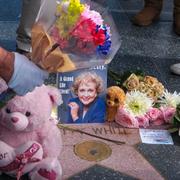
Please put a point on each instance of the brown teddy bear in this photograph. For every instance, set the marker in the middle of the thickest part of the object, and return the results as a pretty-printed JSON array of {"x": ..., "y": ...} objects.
[{"x": 114, "y": 99}]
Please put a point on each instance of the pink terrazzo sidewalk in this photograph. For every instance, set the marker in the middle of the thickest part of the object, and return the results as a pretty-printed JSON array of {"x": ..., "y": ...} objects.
[{"x": 124, "y": 158}]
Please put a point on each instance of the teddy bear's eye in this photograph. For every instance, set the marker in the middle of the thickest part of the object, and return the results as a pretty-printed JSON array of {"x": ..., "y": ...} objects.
[
  {"x": 28, "y": 114},
  {"x": 116, "y": 100},
  {"x": 8, "y": 111}
]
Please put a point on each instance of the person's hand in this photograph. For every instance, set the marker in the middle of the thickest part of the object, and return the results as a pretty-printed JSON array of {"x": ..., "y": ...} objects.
[
  {"x": 26, "y": 75},
  {"x": 74, "y": 110}
]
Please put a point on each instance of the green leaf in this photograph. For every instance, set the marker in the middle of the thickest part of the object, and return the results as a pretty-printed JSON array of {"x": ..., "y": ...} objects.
[
  {"x": 120, "y": 78},
  {"x": 173, "y": 129},
  {"x": 177, "y": 118},
  {"x": 2, "y": 104}
]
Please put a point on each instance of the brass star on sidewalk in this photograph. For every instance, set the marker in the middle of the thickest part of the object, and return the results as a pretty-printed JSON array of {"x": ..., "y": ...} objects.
[{"x": 123, "y": 158}]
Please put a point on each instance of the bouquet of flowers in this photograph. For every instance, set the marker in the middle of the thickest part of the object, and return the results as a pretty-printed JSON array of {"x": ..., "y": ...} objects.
[
  {"x": 139, "y": 110},
  {"x": 69, "y": 35},
  {"x": 147, "y": 103}
]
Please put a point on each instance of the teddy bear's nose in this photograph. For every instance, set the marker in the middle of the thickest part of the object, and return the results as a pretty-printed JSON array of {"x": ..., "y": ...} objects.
[{"x": 14, "y": 119}]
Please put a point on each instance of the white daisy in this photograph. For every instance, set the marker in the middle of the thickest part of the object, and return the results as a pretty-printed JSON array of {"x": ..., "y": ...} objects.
[
  {"x": 137, "y": 103},
  {"x": 170, "y": 99}
]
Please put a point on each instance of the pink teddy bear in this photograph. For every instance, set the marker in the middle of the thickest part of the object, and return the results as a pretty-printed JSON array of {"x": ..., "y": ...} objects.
[{"x": 30, "y": 141}]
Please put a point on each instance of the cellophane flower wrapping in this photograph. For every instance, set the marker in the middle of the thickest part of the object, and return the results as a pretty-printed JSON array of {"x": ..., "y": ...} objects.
[{"x": 69, "y": 35}]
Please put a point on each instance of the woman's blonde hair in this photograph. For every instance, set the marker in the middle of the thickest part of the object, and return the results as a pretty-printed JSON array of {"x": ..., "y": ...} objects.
[{"x": 88, "y": 77}]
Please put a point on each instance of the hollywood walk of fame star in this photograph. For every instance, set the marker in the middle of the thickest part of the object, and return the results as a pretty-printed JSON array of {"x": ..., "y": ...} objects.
[{"x": 124, "y": 158}]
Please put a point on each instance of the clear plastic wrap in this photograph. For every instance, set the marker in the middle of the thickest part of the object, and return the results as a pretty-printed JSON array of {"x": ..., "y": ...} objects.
[{"x": 69, "y": 35}]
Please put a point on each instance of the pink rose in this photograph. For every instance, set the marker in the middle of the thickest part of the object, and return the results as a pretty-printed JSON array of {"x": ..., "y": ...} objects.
[
  {"x": 143, "y": 121},
  {"x": 154, "y": 114},
  {"x": 125, "y": 119},
  {"x": 168, "y": 113},
  {"x": 159, "y": 121}
]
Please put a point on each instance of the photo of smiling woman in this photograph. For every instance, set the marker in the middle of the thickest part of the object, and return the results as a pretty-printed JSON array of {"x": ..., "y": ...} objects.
[{"x": 87, "y": 106}]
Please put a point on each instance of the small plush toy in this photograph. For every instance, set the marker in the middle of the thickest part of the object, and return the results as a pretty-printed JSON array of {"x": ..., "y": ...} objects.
[
  {"x": 114, "y": 99},
  {"x": 30, "y": 141}
]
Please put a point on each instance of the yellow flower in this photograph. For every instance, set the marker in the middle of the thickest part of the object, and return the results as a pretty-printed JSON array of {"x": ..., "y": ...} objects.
[
  {"x": 158, "y": 88},
  {"x": 132, "y": 83},
  {"x": 143, "y": 87},
  {"x": 152, "y": 87},
  {"x": 69, "y": 13},
  {"x": 150, "y": 80}
]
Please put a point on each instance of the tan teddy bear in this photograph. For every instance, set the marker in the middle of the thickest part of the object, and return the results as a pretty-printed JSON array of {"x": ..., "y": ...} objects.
[{"x": 115, "y": 98}]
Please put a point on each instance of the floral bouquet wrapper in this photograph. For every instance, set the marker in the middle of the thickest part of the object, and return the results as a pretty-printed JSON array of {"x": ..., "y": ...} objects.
[{"x": 69, "y": 35}]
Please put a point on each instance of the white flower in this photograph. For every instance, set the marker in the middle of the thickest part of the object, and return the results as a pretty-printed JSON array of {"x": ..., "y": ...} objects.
[
  {"x": 170, "y": 99},
  {"x": 137, "y": 103}
]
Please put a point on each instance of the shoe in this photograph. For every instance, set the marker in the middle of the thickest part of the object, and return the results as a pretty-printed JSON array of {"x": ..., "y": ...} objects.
[
  {"x": 149, "y": 14},
  {"x": 176, "y": 16},
  {"x": 175, "y": 68}
]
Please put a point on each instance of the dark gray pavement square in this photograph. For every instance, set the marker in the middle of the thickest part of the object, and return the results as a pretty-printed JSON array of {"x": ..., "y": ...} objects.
[
  {"x": 165, "y": 159},
  {"x": 98, "y": 172}
]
